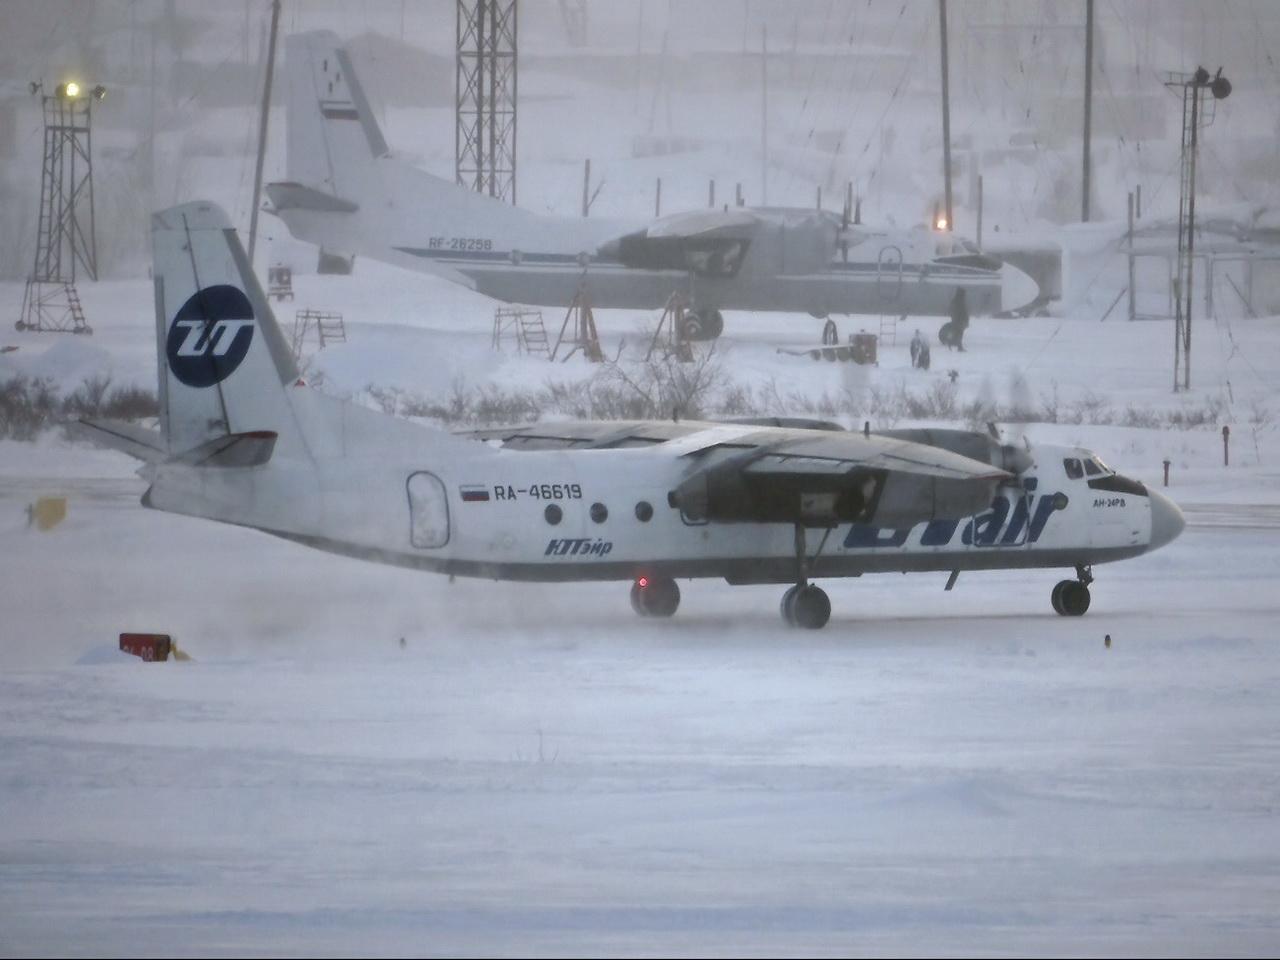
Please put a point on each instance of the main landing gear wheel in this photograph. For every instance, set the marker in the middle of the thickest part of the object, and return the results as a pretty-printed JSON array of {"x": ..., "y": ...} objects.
[
  {"x": 655, "y": 596},
  {"x": 703, "y": 325},
  {"x": 806, "y": 606},
  {"x": 1070, "y": 598}
]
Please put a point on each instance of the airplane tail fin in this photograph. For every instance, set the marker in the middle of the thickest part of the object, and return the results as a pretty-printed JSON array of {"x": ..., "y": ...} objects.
[
  {"x": 225, "y": 368},
  {"x": 333, "y": 137},
  {"x": 345, "y": 190}
]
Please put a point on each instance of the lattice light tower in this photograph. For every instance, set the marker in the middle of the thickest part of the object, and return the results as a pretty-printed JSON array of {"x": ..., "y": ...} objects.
[
  {"x": 1196, "y": 113},
  {"x": 485, "y": 125},
  {"x": 65, "y": 235}
]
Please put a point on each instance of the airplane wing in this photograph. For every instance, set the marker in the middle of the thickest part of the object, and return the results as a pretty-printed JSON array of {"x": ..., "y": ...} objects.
[
  {"x": 829, "y": 478},
  {"x": 705, "y": 223},
  {"x": 708, "y": 242},
  {"x": 746, "y": 472}
]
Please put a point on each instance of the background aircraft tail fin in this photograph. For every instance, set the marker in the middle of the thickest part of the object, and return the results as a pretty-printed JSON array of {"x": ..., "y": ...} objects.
[
  {"x": 345, "y": 191},
  {"x": 333, "y": 137},
  {"x": 225, "y": 368}
]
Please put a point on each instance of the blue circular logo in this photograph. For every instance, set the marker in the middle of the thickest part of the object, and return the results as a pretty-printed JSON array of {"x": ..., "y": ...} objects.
[{"x": 210, "y": 335}]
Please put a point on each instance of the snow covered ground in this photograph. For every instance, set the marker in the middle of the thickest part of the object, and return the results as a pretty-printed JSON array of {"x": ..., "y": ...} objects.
[
  {"x": 534, "y": 770},
  {"x": 364, "y": 760}
]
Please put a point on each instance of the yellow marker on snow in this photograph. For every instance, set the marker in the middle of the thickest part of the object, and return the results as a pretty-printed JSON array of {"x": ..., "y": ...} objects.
[{"x": 48, "y": 512}]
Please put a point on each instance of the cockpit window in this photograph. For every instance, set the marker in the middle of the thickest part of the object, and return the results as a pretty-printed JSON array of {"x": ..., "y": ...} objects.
[
  {"x": 1091, "y": 468},
  {"x": 1074, "y": 470}
]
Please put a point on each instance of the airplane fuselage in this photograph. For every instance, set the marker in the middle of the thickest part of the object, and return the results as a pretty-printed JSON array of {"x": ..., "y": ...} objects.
[{"x": 604, "y": 515}]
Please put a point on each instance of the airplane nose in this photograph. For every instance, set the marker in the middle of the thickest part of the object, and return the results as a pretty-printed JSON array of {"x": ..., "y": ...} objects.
[
  {"x": 1167, "y": 520},
  {"x": 1017, "y": 289}
]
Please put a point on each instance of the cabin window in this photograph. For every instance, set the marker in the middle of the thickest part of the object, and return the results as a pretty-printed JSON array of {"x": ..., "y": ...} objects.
[
  {"x": 1092, "y": 469},
  {"x": 428, "y": 511},
  {"x": 1073, "y": 468}
]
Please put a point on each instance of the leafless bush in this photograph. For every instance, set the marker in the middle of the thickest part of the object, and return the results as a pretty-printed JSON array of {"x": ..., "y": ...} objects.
[
  {"x": 1135, "y": 417},
  {"x": 86, "y": 400},
  {"x": 1208, "y": 414},
  {"x": 1050, "y": 405},
  {"x": 130, "y": 403},
  {"x": 27, "y": 407},
  {"x": 663, "y": 386},
  {"x": 1091, "y": 408}
]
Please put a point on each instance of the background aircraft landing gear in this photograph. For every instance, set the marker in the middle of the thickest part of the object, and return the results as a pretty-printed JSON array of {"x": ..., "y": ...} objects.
[
  {"x": 807, "y": 606},
  {"x": 654, "y": 596},
  {"x": 705, "y": 324},
  {"x": 1070, "y": 598}
]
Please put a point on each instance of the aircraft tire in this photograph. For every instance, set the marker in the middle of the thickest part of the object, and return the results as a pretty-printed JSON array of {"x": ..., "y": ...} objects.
[
  {"x": 660, "y": 598},
  {"x": 787, "y": 606},
  {"x": 1075, "y": 599},
  {"x": 1055, "y": 598},
  {"x": 704, "y": 325},
  {"x": 811, "y": 608},
  {"x": 635, "y": 600}
]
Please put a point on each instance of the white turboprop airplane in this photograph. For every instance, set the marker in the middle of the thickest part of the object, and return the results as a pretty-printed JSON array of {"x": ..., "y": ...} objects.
[
  {"x": 347, "y": 193},
  {"x": 244, "y": 441}
]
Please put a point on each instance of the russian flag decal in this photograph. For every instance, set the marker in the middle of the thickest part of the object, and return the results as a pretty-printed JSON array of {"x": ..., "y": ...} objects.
[{"x": 474, "y": 493}]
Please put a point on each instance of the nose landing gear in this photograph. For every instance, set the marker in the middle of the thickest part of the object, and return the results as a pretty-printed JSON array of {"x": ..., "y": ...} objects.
[
  {"x": 654, "y": 596},
  {"x": 1070, "y": 598}
]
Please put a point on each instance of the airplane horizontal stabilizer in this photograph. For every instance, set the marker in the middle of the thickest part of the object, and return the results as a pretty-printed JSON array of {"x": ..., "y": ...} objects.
[
  {"x": 287, "y": 195},
  {"x": 138, "y": 442},
  {"x": 251, "y": 449}
]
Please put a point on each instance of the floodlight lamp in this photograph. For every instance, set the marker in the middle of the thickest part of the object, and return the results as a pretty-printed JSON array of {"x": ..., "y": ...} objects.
[
  {"x": 99, "y": 92},
  {"x": 1220, "y": 87},
  {"x": 940, "y": 223},
  {"x": 34, "y": 87},
  {"x": 68, "y": 91}
]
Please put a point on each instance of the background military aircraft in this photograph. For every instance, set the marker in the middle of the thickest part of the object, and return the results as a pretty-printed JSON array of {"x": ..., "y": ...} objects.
[{"x": 347, "y": 193}]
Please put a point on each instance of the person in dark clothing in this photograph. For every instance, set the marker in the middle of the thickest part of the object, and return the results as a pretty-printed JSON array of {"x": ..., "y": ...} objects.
[
  {"x": 919, "y": 351},
  {"x": 952, "y": 332}
]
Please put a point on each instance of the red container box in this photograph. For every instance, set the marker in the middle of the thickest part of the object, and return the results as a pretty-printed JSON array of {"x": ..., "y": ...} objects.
[{"x": 148, "y": 646}]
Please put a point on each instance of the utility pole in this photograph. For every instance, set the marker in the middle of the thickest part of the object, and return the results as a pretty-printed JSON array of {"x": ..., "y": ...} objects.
[
  {"x": 764, "y": 114},
  {"x": 1193, "y": 117},
  {"x": 263, "y": 114},
  {"x": 1088, "y": 105},
  {"x": 946, "y": 112}
]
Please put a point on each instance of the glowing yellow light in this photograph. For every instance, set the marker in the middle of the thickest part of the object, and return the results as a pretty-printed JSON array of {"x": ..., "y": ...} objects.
[
  {"x": 73, "y": 89},
  {"x": 941, "y": 223}
]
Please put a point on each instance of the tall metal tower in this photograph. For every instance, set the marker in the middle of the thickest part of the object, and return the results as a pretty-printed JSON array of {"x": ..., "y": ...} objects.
[
  {"x": 65, "y": 229},
  {"x": 1195, "y": 114},
  {"x": 485, "y": 125}
]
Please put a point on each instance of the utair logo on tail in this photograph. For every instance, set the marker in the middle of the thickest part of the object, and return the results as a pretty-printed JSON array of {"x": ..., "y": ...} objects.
[{"x": 210, "y": 335}]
